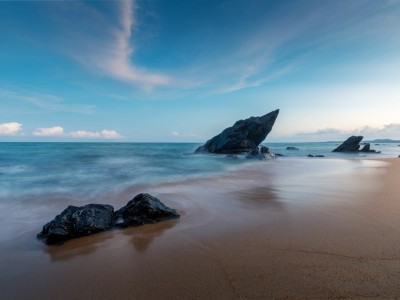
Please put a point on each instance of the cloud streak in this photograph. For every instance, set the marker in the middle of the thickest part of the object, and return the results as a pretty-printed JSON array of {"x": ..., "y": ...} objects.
[{"x": 112, "y": 53}]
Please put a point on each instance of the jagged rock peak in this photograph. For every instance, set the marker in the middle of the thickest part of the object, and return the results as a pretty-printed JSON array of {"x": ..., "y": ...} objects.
[{"x": 243, "y": 136}]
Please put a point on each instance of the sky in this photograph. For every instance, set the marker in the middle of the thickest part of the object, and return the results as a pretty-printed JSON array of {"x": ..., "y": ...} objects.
[{"x": 182, "y": 71}]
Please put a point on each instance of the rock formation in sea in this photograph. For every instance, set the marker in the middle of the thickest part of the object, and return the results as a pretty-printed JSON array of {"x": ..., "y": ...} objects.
[
  {"x": 352, "y": 144},
  {"x": 76, "y": 221},
  {"x": 292, "y": 148},
  {"x": 143, "y": 209},
  {"x": 243, "y": 136}
]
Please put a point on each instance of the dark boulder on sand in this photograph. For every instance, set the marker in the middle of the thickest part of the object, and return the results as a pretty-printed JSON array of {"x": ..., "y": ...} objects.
[
  {"x": 143, "y": 209},
  {"x": 243, "y": 136},
  {"x": 77, "y": 221}
]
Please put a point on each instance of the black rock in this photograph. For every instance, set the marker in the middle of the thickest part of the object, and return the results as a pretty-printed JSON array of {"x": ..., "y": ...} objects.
[
  {"x": 352, "y": 144},
  {"x": 366, "y": 148},
  {"x": 279, "y": 155},
  {"x": 143, "y": 209},
  {"x": 264, "y": 149},
  {"x": 309, "y": 155},
  {"x": 292, "y": 148},
  {"x": 77, "y": 221},
  {"x": 319, "y": 156},
  {"x": 243, "y": 136},
  {"x": 260, "y": 153}
]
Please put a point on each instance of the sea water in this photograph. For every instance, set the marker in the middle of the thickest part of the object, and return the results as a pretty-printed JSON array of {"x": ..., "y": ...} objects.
[
  {"x": 31, "y": 170},
  {"x": 39, "y": 180}
]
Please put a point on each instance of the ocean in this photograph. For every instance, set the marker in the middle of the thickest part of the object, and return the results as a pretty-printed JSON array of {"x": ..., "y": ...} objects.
[{"x": 83, "y": 170}]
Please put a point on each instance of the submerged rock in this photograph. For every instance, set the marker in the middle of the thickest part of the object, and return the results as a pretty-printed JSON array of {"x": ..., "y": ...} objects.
[
  {"x": 309, "y": 155},
  {"x": 319, "y": 156},
  {"x": 260, "y": 153},
  {"x": 292, "y": 148},
  {"x": 143, "y": 209},
  {"x": 243, "y": 136},
  {"x": 77, "y": 221}
]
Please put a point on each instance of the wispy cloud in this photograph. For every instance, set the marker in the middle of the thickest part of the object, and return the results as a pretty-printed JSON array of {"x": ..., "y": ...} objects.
[
  {"x": 112, "y": 54},
  {"x": 12, "y": 128},
  {"x": 44, "y": 101}
]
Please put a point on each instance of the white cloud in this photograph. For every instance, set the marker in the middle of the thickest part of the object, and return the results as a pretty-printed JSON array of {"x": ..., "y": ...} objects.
[
  {"x": 110, "y": 134},
  {"x": 106, "y": 134},
  {"x": 11, "y": 128},
  {"x": 85, "y": 134},
  {"x": 51, "y": 131},
  {"x": 185, "y": 135}
]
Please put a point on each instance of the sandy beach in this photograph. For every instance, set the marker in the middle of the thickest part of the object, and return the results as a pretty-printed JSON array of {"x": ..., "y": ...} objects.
[{"x": 294, "y": 228}]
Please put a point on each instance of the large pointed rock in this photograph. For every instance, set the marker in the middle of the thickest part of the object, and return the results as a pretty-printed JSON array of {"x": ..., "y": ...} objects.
[
  {"x": 352, "y": 144},
  {"x": 243, "y": 136}
]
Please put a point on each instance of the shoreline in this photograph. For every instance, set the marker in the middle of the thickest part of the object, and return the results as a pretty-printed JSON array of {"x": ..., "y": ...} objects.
[{"x": 252, "y": 233}]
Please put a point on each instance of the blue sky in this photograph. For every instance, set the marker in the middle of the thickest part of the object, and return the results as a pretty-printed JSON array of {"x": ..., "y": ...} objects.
[{"x": 178, "y": 71}]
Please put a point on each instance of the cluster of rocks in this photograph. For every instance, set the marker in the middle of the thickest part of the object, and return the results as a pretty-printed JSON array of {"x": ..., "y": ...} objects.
[
  {"x": 352, "y": 144},
  {"x": 80, "y": 221}
]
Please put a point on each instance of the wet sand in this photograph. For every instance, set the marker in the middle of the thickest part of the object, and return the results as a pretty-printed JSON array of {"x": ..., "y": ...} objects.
[{"x": 293, "y": 228}]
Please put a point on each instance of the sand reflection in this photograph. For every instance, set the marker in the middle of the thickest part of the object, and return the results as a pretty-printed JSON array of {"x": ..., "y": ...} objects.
[{"x": 77, "y": 247}]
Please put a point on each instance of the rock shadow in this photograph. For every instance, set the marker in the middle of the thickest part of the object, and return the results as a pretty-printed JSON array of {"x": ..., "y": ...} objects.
[{"x": 142, "y": 237}]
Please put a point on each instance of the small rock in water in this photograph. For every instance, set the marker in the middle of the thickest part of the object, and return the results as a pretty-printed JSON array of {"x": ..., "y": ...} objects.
[
  {"x": 319, "y": 156},
  {"x": 232, "y": 156},
  {"x": 260, "y": 153},
  {"x": 292, "y": 148},
  {"x": 309, "y": 155}
]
